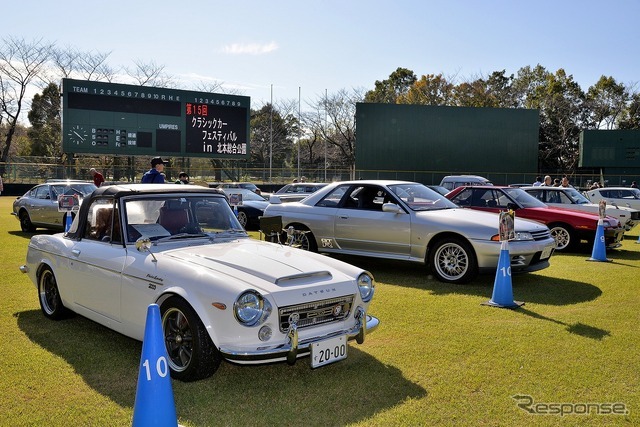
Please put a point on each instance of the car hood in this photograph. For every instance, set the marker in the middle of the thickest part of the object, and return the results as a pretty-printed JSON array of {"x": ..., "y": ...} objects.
[
  {"x": 257, "y": 204},
  {"x": 272, "y": 268},
  {"x": 478, "y": 224}
]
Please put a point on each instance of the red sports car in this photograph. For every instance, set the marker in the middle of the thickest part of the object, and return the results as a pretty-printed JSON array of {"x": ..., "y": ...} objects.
[{"x": 567, "y": 226}]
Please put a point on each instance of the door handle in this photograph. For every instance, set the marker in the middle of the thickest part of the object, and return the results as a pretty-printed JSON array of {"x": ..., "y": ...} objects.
[{"x": 75, "y": 252}]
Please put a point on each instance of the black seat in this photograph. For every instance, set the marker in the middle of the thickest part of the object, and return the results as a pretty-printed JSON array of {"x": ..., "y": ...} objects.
[{"x": 270, "y": 227}]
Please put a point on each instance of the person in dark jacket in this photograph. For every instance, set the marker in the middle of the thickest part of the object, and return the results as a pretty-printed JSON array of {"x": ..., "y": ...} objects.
[{"x": 154, "y": 175}]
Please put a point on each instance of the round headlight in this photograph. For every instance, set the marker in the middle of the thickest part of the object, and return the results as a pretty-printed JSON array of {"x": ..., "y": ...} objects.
[
  {"x": 250, "y": 308},
  {"x": 365, "y": 286}
]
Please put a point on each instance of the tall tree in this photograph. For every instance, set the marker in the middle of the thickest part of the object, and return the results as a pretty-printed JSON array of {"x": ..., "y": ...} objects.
[
  {"x": 272, "y": 134},
  {"x": 431, "y": 89},
  {"x": 607, "y": 100},
  {"x": 387, "y": 91},
  {"x": 150, "y": 74},
  {"x": 45, "y": 133},
  {"x": 630, "y": 118},
  {"x": 334, "y": 118},
  {"x": 495, "y": 91},
  {"x": 20, "y": 64},
  {"x": 563, "y": 114}
]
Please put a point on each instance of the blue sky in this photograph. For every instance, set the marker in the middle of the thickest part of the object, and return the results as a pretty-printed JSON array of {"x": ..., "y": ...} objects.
[{"x": 332, "y": 45}]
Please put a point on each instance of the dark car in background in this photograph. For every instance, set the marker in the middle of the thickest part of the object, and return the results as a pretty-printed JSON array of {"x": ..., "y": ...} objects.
[
  {"x": 568, "y": 227},
  {"x": 250, "y": 209},
  {"x": 38, "y": 207}
]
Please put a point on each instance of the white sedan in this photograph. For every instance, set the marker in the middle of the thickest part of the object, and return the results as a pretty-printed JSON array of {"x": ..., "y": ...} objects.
[
  {"x": 570, "y": 198},
  {"x": 221, "y": 294},
  {"x": 617, "y": 196}
]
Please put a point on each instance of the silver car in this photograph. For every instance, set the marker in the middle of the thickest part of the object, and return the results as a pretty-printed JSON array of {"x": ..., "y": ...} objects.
[
  {"x": 570, "y": 198},
  {"x": 408, "y": 221},
  {"x": 38, "y": 207},
  {"x": 295, "y": 192}
]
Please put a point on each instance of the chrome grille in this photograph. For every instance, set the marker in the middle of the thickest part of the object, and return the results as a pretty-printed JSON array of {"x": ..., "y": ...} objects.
[
  {"x": 541, "y": 235},
  {"x": 315, "y": 313}
]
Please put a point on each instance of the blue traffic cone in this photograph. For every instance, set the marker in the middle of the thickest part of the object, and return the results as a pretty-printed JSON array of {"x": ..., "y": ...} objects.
[
  {"x": 502, "y": 289},
  {"x": 68, "y": 222},
  {"x": 154, "y": 404},
  {"x": 599, "y": 252}
]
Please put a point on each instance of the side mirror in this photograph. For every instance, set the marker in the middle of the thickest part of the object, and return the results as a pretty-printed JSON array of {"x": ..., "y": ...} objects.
[
  {"x": 275, "y": 200},
  {"x": 392, "y": 208},
  {"x": 143, "y": 244}
]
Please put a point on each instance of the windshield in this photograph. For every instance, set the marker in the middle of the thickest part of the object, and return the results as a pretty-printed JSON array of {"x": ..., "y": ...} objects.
[
  {"x": 247, "y": 195},
  {"x": 576, "y": 196},
  {"x": 82, "y": 189},
  {"x": 523, "y": 198},
  {"x": 420, "y": 198},
  {"x": 180, "y": 217}
]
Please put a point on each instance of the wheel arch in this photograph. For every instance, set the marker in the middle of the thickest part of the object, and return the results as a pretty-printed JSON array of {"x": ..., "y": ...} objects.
[
  {"x": 197, "y": 306},
  {"x": 436, "y": 238}
]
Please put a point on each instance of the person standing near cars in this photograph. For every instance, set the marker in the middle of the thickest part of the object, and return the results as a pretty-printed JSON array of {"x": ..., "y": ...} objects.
[
  {"x": 98, "y": 178},
  {"x": 183, "y": 178},
  {"x": 154, "y": 175}
]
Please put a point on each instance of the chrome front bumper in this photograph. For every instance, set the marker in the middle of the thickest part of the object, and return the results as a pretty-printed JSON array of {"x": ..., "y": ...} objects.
[{"x": 295, "y": 348}]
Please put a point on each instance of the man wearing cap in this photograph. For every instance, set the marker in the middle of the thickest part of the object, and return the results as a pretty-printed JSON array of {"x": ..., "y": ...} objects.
[{"x": 154, "y": 175}]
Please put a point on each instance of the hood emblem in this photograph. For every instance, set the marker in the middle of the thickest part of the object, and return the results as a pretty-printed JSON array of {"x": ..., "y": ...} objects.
[
  {"x": 294, "y": 318},
  {"x": 337, "y": 310}
]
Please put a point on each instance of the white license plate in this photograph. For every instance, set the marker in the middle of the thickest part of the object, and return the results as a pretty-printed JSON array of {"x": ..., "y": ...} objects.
[
  {"x": 546, "y": 253},
  {"x": 328, "y": 351}
]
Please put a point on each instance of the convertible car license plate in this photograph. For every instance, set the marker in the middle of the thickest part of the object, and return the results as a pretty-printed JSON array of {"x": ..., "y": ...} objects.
[
  {"x": 328, "y": 351},
  {"x": 546, "y": 253}
]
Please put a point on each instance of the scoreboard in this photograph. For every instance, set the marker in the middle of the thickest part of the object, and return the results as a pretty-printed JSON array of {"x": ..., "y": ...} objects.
[{"x": 118, "y": 119}]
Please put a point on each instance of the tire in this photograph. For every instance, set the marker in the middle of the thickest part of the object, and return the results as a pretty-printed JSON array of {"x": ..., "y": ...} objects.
[
  {"x": 49, "y": 296},
  {"x": 453, "y": 260},
  {"x": 25, "y": 223},
  {"x": 563, "y": 235},
  {"x": 304, "y": 240},
  {"x": 192, "y": 354},
  {"x": 243, "y": 219}
]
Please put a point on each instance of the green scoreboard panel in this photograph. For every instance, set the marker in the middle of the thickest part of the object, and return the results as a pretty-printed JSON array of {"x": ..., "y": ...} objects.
[{"x": 108, "y": 118}]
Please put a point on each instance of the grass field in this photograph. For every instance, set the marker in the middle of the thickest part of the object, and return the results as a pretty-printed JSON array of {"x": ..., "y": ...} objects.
[{"x": 438, "y": 358}]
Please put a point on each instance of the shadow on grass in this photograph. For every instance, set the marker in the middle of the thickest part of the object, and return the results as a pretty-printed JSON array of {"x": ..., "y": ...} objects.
[
  {"x": 529, "y": 287},
  {"x": 343, "y": 393},
  {"x": 577, "y": 328}
]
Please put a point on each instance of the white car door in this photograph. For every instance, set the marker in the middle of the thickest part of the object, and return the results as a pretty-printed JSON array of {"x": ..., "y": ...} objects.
[{"x": 97, "y": 261}]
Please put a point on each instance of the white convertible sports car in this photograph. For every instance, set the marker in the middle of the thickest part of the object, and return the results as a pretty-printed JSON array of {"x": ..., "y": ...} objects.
[{"x": 221, "y": 294}]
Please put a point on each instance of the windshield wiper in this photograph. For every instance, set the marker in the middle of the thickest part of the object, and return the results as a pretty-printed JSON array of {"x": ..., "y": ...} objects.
[{"x": 182, "y": 236}]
